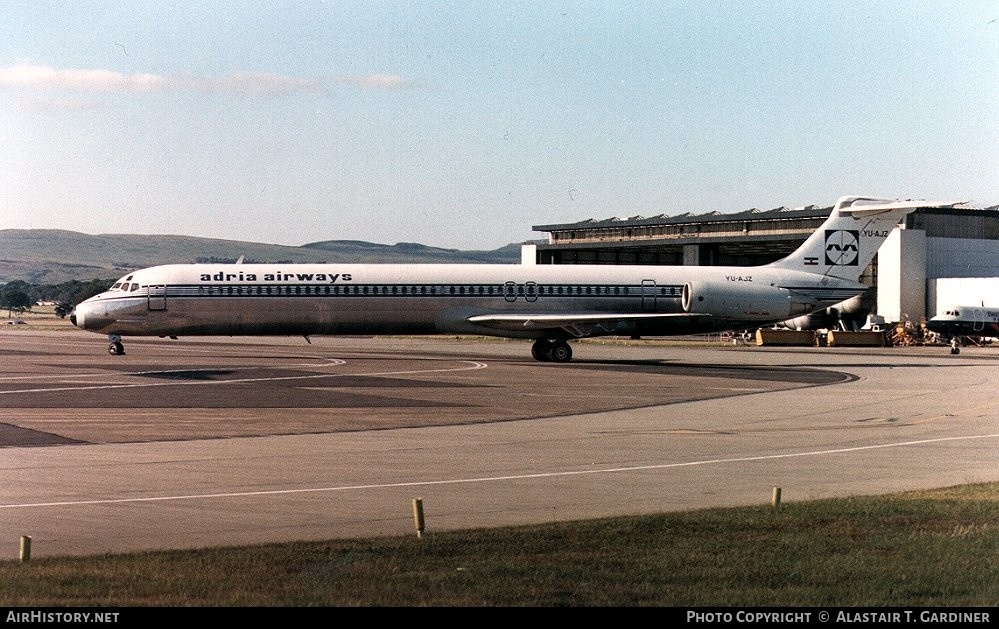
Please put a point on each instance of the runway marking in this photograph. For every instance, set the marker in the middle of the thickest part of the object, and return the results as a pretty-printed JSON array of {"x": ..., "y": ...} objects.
[
  {"x": 475, "y": 365},
  {"x": 330, "y": 362},
  {"x": 488, "y": 479}
]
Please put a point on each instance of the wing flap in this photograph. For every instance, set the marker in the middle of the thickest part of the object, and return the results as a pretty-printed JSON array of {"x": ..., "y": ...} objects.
[{"x": 576, "y": 324}]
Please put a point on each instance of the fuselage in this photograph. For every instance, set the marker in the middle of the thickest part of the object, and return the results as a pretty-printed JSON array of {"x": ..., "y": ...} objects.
[
  {"x": 320, "y": 299},
  {"x": 976, "y": 321}
]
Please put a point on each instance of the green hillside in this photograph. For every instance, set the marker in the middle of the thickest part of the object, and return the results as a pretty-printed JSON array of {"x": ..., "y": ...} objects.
[{"x": 50, "y": 256}]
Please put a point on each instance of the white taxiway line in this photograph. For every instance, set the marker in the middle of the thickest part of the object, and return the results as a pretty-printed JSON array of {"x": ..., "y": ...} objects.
[
  {"x": 489, "y": 479},
  {"x": 474, "y": 365}
]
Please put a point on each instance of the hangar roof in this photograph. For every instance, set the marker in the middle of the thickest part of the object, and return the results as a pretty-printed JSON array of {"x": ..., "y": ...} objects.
[
  {"x": 752, "y": 214},
  {"x": 810, "y": 211},
  {"x": 742, "y": 238}
]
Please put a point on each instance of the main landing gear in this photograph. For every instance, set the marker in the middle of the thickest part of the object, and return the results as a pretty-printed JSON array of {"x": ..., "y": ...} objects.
[
  {"x": 551, "y": 351},
  {"x": 115, "y": 348}
]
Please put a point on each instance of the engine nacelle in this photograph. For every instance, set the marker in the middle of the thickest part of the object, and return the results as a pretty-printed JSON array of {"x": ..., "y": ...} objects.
[{"x": 743, "y": 301}]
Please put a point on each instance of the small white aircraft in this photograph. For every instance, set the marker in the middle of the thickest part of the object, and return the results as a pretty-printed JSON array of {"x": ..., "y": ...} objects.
[
  {"x": 976, "y": 322},
  {"x": 551, "y": 304}
]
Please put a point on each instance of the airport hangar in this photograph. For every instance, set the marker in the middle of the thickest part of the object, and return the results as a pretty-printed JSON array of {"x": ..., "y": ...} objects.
[{"x": 938, "y": 258}]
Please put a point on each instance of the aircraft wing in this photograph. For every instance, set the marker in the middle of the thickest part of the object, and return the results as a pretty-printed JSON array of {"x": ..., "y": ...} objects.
[{"x": 577, "y": 324}]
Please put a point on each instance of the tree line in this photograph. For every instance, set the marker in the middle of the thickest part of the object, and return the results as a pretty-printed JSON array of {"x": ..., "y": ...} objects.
[{"x": 19, "y": 296}]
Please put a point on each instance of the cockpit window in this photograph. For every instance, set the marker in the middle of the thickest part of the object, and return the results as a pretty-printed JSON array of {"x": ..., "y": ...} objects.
[{"x": 124, "y": 284}]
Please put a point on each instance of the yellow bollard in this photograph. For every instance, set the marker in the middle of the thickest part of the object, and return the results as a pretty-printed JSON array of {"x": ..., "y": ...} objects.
[
  {"x": 25, "y": 548},
  {"x": 775, "y": 500},
  {"x": 418, "y": 516}
]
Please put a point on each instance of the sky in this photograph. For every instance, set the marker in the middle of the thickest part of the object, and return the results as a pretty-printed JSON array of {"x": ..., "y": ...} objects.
[{"x": 465, "y": 124}]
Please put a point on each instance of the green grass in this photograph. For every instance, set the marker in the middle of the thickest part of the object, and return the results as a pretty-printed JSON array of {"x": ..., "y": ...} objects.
[{"x": 931, "y": 548}]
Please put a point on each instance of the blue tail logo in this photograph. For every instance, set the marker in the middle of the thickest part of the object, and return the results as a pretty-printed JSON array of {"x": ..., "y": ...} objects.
[{"x": 842, "y": 247}]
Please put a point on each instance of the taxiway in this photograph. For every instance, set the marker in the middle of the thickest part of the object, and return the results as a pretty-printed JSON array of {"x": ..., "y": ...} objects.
[{"x": 208, "y": 442}]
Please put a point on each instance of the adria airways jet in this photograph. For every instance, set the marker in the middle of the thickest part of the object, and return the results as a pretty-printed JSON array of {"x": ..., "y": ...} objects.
[{"x": 551, "y": 304}]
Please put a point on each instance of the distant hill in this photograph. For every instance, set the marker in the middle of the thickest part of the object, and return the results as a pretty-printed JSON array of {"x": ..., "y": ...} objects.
[
  {"x": 360, "y": 251},
  {"x": 53, "y": 256}
]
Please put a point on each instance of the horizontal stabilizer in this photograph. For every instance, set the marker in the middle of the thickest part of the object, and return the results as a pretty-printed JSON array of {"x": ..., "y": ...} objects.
[{"x": 862, "y": 207}]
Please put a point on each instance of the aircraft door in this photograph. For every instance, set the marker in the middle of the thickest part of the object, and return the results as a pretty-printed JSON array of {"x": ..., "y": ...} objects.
[
  {"x": 510, "y": 291},
  {"x": 648, "y": 295},
  {"x": 157, "y": 297},
  {"x": 531, "y": 291},
  {"x": 979, "y": 323}
]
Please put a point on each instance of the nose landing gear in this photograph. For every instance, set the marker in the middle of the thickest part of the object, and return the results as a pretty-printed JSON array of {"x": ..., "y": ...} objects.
[{"x": 115, "y": 348}]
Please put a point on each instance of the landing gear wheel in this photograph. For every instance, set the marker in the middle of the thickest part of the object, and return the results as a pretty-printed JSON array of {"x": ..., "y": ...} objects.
[
  {"x": 551, "y": 351},
  {"x": 560, "y": 352},
  {"x": 541, "y": 349}
]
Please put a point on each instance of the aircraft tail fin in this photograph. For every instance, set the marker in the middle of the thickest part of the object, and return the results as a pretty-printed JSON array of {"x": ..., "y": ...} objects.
[{"x": 848, "y": 240}]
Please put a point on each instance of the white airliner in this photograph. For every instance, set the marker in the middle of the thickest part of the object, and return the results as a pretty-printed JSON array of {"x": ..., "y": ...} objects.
[
  {"x": 974, "y": 322},
  {"x": 551, "y": 304}
]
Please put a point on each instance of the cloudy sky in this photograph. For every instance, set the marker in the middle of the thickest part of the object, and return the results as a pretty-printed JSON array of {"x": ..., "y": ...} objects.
[{"x": 465, "y": 124}]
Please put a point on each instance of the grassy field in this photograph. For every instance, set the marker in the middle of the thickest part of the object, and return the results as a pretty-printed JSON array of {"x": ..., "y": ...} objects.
[
  {"x": 931, "y": 548},
  {"x": 38, "y": 318}
]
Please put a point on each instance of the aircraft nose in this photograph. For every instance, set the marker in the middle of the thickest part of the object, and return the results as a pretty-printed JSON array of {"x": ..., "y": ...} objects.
[
  {"x": 78, "y": 316},
  {"x": 92, "y": 316}
]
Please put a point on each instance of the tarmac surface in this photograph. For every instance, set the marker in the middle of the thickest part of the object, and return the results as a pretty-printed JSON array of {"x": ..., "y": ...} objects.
[{"x": 218, "y": 441}]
